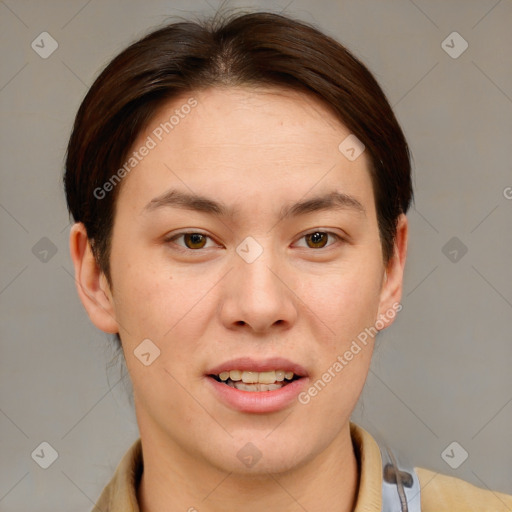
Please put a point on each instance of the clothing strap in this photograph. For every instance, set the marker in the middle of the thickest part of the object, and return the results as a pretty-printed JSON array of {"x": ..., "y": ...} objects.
[{"x": 400, "y": 484}]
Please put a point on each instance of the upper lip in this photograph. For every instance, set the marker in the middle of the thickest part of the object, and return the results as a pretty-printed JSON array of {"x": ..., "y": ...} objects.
[{"x": 262, "y": 365}]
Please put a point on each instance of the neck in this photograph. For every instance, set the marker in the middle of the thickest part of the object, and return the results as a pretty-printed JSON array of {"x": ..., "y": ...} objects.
[{"x": 174, "y": 480}]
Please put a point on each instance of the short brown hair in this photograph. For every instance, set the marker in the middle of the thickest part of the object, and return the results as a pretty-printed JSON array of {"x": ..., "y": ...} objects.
[{"x": 251, "y": 49}]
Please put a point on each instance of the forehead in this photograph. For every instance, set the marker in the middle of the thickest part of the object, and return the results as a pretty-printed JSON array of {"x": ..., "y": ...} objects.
[
  {"x": 265, "y": 120},
  {"x": 243, "y": 140}
]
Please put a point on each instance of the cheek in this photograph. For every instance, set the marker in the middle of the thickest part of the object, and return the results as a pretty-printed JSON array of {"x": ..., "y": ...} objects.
[
  {"x": 151, "y": 306},
  {"x": 345, "y": 300},
  {"x": 347, "y": 304},
  {"x": 164, "y": 304},
  {"x": 142, "y": 297}
]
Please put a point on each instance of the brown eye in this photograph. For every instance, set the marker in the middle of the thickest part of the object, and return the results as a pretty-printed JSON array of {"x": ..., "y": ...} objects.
[
  {"x": 318, "y": 239},
  {"x": 194, "y": 240},
  {"x": 189, "y": 241}
]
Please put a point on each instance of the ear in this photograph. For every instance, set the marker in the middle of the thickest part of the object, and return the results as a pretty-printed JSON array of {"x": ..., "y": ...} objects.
[
  {"x": 391, "y": 291},
  {"x": 91, "y": 282}
]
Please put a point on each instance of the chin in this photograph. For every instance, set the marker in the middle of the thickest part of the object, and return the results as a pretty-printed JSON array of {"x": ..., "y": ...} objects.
[
  {"x": 257, "y": 456},
  {"x": 262, "y": 467}
]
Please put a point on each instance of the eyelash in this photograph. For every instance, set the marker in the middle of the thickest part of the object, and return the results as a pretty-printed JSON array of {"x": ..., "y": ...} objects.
[{"x": 186, "y": 249}]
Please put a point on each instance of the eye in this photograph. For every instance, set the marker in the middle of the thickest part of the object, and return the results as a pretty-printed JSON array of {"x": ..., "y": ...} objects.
[
  {"x": 318, "y": 239},
  {"x": 192, "y": 240}
]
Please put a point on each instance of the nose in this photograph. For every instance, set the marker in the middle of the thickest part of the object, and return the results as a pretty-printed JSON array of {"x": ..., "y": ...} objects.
[{"x": 259, "y": 295}]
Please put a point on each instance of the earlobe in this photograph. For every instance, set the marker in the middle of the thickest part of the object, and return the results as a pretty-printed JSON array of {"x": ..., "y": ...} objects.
[
  {"x": 92, "y": 286},
  {"x": 391, "y": 292}
]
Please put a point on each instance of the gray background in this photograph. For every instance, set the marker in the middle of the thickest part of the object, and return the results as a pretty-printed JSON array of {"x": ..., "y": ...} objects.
[{"x": 440, "y": 374}]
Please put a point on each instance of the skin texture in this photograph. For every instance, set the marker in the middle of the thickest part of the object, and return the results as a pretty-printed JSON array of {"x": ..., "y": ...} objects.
[{"x": 256, "y": 150}]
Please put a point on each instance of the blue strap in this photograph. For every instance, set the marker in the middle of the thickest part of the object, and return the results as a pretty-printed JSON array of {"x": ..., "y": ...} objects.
[{"x": 400, "y": 484}]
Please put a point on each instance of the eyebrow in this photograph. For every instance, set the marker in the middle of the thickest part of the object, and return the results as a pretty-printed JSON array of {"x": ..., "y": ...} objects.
[{"x": 189, "y": 201}]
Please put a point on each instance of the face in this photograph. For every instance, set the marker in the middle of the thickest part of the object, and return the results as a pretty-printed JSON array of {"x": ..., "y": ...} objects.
[{"x": 245, "y": 245}]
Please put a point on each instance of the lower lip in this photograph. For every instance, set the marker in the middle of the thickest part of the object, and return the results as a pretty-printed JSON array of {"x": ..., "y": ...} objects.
[{"x": 258, "y": 401}]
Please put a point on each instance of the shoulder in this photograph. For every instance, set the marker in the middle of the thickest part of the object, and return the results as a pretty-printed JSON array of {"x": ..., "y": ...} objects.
[{"x": 443, "y": 493}]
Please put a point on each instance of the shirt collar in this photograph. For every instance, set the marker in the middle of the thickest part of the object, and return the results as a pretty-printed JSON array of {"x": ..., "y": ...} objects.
[
  {"x": 369, "y": 494},
  {"x": 120, "y": 495}
]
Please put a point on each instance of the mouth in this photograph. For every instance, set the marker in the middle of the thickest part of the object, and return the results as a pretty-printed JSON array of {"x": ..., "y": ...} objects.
[
  {"x": 255, "y": 381},
  {"x": 257, "y": 386}
]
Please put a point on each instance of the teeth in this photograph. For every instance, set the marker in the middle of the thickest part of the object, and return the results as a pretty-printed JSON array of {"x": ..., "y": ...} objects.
[
  {"x": 257, "y": 387},
  {"x": 267, "y": 377},
  {"x": 248, "y": 377},
  {"x": 235, "y": 375}
]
